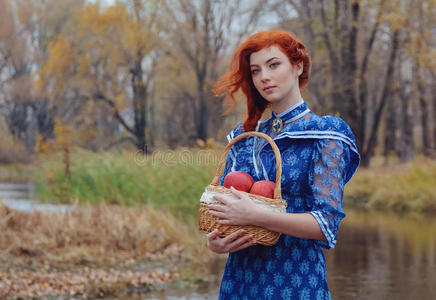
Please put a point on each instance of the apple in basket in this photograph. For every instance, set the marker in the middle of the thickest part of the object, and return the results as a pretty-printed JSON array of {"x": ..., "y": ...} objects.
[
  {"x": 239, "y": 180},
  {"x": 263, "y": 188}
]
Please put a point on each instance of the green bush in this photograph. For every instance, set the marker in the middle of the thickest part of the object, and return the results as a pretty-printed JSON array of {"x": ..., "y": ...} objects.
[{"x": 173, "y": 180}]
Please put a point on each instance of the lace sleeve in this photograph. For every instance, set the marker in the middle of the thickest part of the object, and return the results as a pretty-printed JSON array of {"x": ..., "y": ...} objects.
[{"x": 327, "y": 179}]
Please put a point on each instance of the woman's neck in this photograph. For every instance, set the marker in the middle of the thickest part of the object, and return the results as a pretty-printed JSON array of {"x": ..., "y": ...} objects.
[{"x": 283, "y": 105}]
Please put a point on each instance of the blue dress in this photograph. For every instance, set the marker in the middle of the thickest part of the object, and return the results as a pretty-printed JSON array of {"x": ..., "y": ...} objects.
[{"x": 319, "y": 157}]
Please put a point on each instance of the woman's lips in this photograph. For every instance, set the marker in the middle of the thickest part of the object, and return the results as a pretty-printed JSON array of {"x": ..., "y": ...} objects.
[{"x": 269, "y": 89}]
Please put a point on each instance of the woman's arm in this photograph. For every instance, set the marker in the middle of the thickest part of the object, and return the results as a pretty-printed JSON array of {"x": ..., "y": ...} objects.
[{"x": 245, "y": 212}]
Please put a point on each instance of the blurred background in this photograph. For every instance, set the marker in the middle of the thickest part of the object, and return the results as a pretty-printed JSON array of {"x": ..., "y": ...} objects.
[
  {"x": 141, "y": 72},
  {"x": 108, "y": 105}
]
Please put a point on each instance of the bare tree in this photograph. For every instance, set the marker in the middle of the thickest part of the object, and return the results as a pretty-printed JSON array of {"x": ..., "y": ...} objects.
[
  {"x": 357, "y": 84},
  {"x": 200, "y": 34}
]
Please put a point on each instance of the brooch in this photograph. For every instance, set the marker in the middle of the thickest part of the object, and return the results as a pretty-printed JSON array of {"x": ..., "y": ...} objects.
[{"x": 277, "y": 125}]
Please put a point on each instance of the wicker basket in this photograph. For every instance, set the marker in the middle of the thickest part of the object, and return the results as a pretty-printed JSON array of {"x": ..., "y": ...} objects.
[{"x": 207, "y": 222}]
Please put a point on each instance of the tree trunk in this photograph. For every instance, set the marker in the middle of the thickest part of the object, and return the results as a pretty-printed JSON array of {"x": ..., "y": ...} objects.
[
  {"x": 391, "y": 126},
  {"x": 366, "y": 155},
  {"x": 426, "y": 144},
  {"x": 18, "y": 120},
  {"x": 45, "y": 119},
  {"x": 407, "y": 145},
  {"x": 424, "y": 105},
  {"x": 363, "y": 84},
  {"x": 344, "y": 66},
  {"x": 139, "y": 105},
  {"x": 349, "y": 74},
  {"x": 202, "y": 114},
  {"x": 433, "y": 93}
]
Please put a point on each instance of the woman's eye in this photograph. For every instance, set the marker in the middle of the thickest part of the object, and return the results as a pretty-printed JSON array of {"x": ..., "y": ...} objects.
[
  {"x": 254, "y": 71},
  {"x": 273, "y": 65}
]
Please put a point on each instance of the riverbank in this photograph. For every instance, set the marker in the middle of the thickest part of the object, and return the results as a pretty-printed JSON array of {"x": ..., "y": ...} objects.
[
  {"x": 97, "y": 251},
  {"x": 136, "y": 227},
  {"x": 174, "y": 181},
  {"x": 169, "y": 180},
  {"x": 394, "y": 187}
]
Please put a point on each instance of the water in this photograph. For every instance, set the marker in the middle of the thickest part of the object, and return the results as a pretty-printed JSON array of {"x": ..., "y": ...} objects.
[
  {"x": 384, "y": 256},
  {"x": 378, "y": 255},
  {"x": 21, "y": 196}
]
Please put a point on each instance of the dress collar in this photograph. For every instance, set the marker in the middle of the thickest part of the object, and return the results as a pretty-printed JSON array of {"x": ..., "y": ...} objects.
[{"x": 291, "y": 113}]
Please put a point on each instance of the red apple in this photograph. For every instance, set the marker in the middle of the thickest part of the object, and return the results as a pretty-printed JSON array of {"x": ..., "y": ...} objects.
[
  {"x": 263, "y": 188},
  {"x": 239, "y": 180}
]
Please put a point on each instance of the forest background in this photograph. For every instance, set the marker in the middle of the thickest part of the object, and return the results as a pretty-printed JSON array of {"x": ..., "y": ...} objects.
[
  {"x": 141, "y": 72},
  {"x": 110, "y": 102}
]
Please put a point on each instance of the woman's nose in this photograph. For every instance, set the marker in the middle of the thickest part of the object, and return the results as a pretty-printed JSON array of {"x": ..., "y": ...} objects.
[{"x": 265, "y": 76}]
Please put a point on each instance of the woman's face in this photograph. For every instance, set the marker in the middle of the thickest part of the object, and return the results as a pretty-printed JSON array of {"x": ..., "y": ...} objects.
[{"x": 275, "y": 77}]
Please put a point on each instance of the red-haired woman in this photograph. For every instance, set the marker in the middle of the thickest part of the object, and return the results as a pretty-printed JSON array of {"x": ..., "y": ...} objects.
[{"x": 319, "y": 157}]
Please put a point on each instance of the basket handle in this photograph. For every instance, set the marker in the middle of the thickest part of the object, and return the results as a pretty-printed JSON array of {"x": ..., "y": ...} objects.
[{"x": 277, "y": 189}]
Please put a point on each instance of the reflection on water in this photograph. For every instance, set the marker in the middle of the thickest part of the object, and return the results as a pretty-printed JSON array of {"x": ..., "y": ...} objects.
[
  {"x": 384, "y": 256},
  {"x": 378, "y": 256},
  {"x": 205, "y": 291}
]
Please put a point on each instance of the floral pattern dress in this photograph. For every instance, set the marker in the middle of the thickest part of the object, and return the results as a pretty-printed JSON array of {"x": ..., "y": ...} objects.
[{"x": 319, "y": 156}]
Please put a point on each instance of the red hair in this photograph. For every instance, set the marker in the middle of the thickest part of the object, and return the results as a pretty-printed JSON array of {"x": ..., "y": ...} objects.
[{"x": 239, "y": 76}]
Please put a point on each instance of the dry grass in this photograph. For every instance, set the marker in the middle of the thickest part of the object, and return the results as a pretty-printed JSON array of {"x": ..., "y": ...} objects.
[
  {"x": 395, "y": 187},
  {"x": 13, "y": 151},
  {"x": 101, "y": 231},
  {"x": 93, "y": 250}
]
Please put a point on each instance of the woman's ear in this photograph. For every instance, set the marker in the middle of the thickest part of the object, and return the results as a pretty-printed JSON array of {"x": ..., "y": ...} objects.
[{"x": 300, "y": 69}]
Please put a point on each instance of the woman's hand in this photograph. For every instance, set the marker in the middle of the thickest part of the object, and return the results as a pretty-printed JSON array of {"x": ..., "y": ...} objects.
[
  {"x": 236, "y": 241},
  {"x": 234, "y": 212}
]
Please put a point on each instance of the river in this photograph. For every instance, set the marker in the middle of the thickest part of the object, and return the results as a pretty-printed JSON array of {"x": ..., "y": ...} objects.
[{"x": 379, "y": 255}]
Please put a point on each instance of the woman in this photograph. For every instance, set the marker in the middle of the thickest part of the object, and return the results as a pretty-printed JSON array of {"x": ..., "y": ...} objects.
[{"x": 319, "y": 157}]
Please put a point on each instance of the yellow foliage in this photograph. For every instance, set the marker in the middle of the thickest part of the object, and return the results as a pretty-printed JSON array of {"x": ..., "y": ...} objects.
[
  {"x": 395, "y": 20},
  {"x": 42, "y": 145},
  {"x": 61, "y": 56},
  {"x": 96, "y": 51},
  {"x": 210, "y": 142},
  {"x": 201, "y": 143},
  {"x": 63, "y": 139},
  {"x": 84, "y": 65},
  {"x": 63, "y": 135}
]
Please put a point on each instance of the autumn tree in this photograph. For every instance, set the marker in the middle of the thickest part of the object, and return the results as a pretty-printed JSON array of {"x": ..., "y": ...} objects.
[
  {"x": 16, "y": 58},
  {"x": 421, "y": 48},
  {"x": 107, "y": 55},
  {"x": 355, "y": 47},
  {"x": 201, "y": 36},
  {"x": 26, "y": 29}
]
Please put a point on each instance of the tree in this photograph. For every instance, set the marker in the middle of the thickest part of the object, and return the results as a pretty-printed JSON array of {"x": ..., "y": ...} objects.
[
  {"x": 422, "y": 51},
  {"x": 200, "y": 34},
  {"x": 26, "y": 29},
  {"x": 15, "y": 67},
  {"x": 344, "y": 36},
  {"x": 108, "y": 56}
]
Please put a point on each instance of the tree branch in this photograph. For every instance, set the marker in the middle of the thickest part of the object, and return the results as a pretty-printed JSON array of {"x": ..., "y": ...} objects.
[
  {"x": 333, "y": 58},
  {"x": 111, "y": 103}
]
